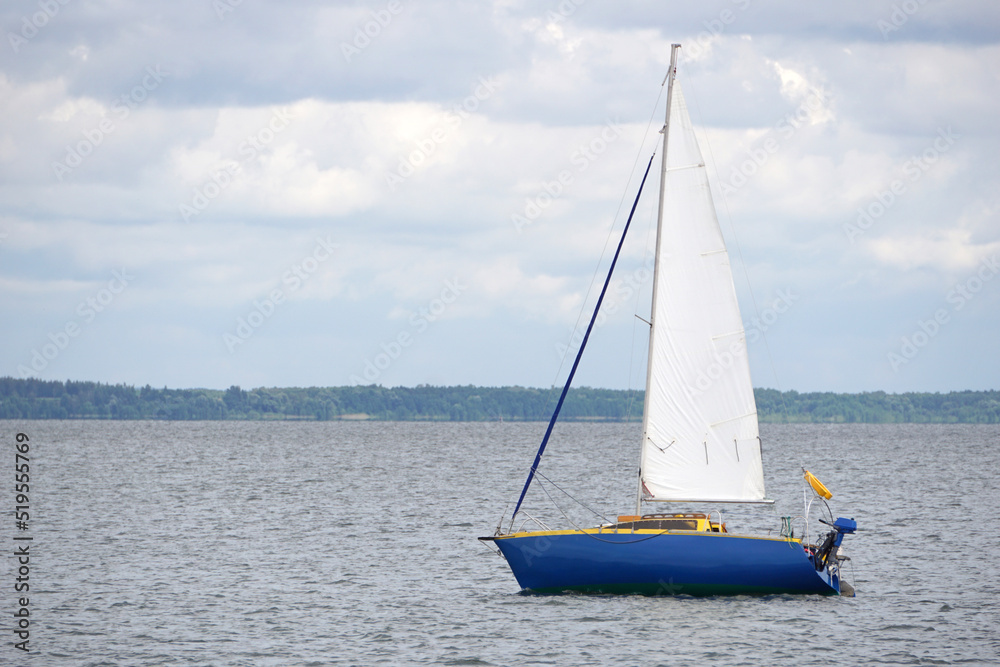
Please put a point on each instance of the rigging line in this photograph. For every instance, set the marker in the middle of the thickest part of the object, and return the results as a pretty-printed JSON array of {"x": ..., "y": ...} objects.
[
  {"x": 739, "y": 251},
  {"x": 583, "y": 343},
  {"x": 553, "y": 501},
  {"x": 571, "y": 497},
  {"x": 828, "y": 510},
  {"x": 496, "y": 551},
  {"x": 593, "y": 280},
  {"x": 591, "y": 535}
]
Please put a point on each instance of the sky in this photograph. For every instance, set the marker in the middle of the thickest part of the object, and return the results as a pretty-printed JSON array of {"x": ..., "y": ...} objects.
[{"x": 202, "y": 194}]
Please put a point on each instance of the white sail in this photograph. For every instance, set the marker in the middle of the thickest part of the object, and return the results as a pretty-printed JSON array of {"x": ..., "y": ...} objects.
[{"x": 700, "y": 440}]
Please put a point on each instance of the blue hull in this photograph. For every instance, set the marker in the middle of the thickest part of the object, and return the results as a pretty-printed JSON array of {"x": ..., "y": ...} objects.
[{"x": 663, "y": 564}]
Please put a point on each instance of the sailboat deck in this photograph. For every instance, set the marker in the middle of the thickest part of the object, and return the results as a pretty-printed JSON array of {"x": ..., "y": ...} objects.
[
  {"x": 661, "y": 522},
  {"x": 647, "y": 524},
  {"x": 614, "y": 530}
]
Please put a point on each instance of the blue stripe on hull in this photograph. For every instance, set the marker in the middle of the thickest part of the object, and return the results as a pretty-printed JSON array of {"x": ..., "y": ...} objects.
[{"x": 664, "y": 564}]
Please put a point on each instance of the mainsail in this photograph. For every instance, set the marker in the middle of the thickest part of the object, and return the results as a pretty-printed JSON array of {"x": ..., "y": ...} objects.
[{"x": 700, "y": 437}]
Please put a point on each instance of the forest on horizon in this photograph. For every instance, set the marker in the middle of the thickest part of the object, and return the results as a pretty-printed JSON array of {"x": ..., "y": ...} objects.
[{"x": 32, "y": 398}]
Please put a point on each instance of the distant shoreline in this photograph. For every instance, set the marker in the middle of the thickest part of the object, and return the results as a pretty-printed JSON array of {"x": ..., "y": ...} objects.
[{"x": 52, "y": 399}]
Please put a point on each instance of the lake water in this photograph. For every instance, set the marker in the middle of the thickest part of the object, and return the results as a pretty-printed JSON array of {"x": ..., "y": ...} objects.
[{"x": 337, "y": 543}]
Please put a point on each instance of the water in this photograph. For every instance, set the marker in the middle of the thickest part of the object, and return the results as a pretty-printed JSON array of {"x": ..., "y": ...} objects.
[{"x": 283, "y": 543}]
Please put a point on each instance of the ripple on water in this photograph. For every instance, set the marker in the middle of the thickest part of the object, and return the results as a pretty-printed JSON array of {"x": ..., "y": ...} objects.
[{"x": 252, "y": 543}]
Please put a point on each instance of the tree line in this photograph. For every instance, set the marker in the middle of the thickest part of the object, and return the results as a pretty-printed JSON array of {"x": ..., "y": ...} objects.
[{"x": 33, "y": 398}]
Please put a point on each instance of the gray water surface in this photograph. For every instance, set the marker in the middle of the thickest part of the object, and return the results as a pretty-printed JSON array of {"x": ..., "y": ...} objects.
[{"x": 336, "y": 543}]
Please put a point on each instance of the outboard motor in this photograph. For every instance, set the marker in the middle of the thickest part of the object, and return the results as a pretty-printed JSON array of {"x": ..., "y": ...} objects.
[{"x": 833, "y": 539}]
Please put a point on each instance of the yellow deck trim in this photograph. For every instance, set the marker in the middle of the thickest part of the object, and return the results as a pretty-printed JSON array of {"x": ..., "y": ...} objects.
[{"x": 643, "y": 531}]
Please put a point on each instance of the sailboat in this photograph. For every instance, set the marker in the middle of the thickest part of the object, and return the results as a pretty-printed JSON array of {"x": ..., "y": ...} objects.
[{"x": 700, "y": 441}]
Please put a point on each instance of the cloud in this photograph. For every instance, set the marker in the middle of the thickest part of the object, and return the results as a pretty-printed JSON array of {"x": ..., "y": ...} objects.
[
  {"x": 949, "y": 251},
  {"x": 208, "y": 154}
]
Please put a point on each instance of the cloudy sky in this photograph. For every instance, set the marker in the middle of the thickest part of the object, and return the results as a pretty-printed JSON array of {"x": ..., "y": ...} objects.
[{"x": 206, "y": 193}]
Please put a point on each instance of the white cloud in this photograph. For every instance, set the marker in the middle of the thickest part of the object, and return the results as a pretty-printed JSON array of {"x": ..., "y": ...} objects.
[
  {"x": 949, "y": 250},
  {"x": 862, "y": 106}
]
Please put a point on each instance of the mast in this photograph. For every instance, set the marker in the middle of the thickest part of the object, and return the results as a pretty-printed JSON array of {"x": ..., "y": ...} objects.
[{"x": 671, "y": 75}]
